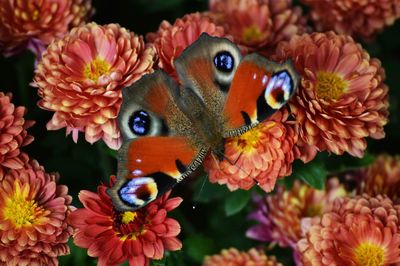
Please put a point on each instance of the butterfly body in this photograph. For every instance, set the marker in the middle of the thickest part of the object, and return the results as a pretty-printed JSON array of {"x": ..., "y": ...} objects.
[{"x": 169, "y": 129}]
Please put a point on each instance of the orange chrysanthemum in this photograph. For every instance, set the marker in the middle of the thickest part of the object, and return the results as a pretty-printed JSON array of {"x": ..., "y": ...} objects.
[
  {"x": 233, "y": 257},
  {"x": 170, "y": 40},
  {"x": 354, "y": 17},
  {"x": 282, "y": 214},
  {"x": 262, "y": 155},
  {"x": 115, "y": 236},
  {"x": 342, "y": 98},
  {"x": 33, "y": 217},
  {"x": 380, "y": 178},
  {"x": 13, "y": 134},
  {"x": 80, "y": 77},
  {"x": 38, "y": 22},
  {"x": 358, "y": 231},
  {"x": 258, "y": 24}
]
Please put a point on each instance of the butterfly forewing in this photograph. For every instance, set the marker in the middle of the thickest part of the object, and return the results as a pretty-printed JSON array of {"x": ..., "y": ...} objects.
[
  {"x": 208, "y": 67},
  {"x": 259, "y": 88}
]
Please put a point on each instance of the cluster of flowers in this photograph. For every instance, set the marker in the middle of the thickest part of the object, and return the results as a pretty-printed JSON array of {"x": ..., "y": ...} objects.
[
  {"x": 33, "y": 207},
  {"x": 340, "y": 225},
  {"x": 37, "y": 218},
  {"x": 342, "y": 99}
]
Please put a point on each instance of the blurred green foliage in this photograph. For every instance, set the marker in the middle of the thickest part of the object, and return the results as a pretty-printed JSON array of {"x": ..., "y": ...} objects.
[{"x": 211, "y": 217}]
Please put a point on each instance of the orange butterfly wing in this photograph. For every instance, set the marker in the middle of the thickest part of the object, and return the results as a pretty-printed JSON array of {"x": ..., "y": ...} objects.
[
  {"x": 151, "y": 166},
  {"x": 258, "y": 89}
]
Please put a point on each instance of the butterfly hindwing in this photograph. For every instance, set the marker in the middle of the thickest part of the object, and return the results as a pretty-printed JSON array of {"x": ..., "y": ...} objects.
[
  {"x": 150, "y": 166},
  {"x": 208, "y": 67},
  {"x": 259, "y": 88},
  {"x": 146, "y": 106}
]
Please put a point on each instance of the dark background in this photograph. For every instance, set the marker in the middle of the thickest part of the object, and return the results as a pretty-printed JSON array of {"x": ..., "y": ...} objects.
[{"x": 205, "y": 229}]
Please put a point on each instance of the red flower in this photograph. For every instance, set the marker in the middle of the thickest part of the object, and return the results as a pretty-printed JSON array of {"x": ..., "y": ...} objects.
[
  {"x": 380, "y": 178},
  {"x": 36, "y": 23},
  {"x": 258, "y": 24},
  {"x": 80, "y": 78},
  {"x": 357, "y": 231},
  {"x": 282, "y": 214},
  {"x": 234, "y": 257},
  {"x": 354, "y": 17},
  {"x": 263, "y": 154},
  {"x": 33, "y": 217},
  {"x": 342, "y": 98},
  {"x": 115, "y": 236},
  {"x": 13, "y": 134}
]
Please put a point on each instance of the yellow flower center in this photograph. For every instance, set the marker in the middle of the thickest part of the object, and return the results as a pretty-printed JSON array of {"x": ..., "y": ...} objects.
[
  {"x": 128, "y": 217},
  {"x": 248, "y": 141},
  {"x": 369, "y": 254},
  {"x": 314, "y": 210},
  {"x": 252, "y": 33},
  {"x": 96, "y": 68},
  {"x": 330, "y": 86},
  {"x": 20, "y": 210}
]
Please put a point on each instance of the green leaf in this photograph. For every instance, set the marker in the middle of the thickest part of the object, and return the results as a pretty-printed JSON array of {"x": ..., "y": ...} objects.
[
  {"x": 173, "y": 258},
  {"x": 76, "y": 257},
  {"x": 206, "y": 191},
  {"x": 236, "y": 201},
  {"x": 161, "y": 262},
  {"x": 197, "y": 246},
  {"x": 313, "y": 173}
]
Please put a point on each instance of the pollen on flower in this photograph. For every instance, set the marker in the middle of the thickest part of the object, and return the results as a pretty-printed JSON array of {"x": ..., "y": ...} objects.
[
  {"x": 369, "y": 254},
  {"x": 20, "y": 210},
  {"x": 128, "y": 217},
  {"x": 330, "y": 86},
  {"x": 249, "y": 140},
  {"x": 314, "y": 210},
  {"x": 96, "y": 68},
  {"x": 252, "y": 34}
]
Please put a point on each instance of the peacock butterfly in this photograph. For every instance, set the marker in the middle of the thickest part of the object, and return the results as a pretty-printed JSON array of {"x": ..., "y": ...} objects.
[{"x": 169, "y": 129}]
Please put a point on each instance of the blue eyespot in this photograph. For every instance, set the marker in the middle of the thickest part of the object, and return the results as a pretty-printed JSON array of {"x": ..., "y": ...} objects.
[
  {"x": 140, "y": 123},
  {"x": 224, "y": 61},
  {"x": 138, "y": 191}
]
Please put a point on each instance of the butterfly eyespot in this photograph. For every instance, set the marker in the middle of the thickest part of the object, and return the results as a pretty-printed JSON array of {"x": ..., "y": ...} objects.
[
  {"x": 279, "y": 89},
  {"x": 140, "y": 123},
  {"x": 224, "y": 61},
  {"x": 138, "y": 191}
]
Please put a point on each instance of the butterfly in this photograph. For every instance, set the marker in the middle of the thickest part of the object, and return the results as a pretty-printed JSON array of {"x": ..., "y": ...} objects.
[{"x": 169, "y": 129}]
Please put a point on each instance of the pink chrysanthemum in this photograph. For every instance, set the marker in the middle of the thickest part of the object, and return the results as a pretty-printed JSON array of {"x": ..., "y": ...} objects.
[
  {"x": 357, "y": 231},
  {"x": 380, "y": 178},
  {"x": 258, "y": 24},
  {"x": 115, "y": 236},
  {"x": 354, "y": 17},
  {"x": 262, "y": 155},
  {"x": 342, "y": 98},
  {"x": 234, "y": 257},
  {"x": 282, "y": 214},
  {"x": 13, "y": 134},
  {"x": 80, "y": 78},
  {"x": 37, "y": 23},
  {"x": 33, "y": 217},
  {"x": 170, "y": 40}
]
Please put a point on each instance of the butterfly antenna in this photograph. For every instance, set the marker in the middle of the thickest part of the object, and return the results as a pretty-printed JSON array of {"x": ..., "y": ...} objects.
[
  {"x": 216, "y": 161},
  {"x": 201, "y": 189},
  {"x": 234, "y": 163}
]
